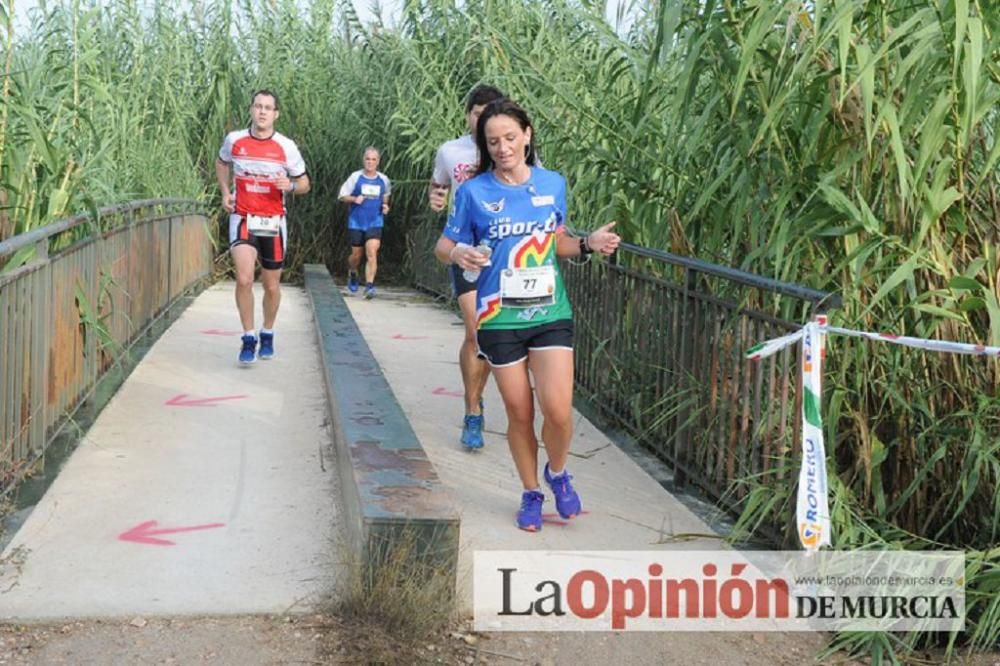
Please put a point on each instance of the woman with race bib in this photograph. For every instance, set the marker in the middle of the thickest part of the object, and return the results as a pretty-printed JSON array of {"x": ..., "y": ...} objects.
[{"x": 509, "y": 223}]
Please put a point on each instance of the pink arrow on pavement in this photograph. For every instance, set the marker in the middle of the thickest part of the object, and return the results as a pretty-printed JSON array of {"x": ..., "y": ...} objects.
[
  {"x": 182, "y": 400},
  {"x": 146, "y": 534},
  {"x": 218, "y": 331},
  {"x": 443, "y": 391},
  {"x": 400, "y": 336}
]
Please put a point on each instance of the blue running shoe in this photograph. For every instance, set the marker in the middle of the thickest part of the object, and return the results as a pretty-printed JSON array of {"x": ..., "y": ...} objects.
[
  {"x": 248, "y": 354},
  {"x": 370, "y": 292},
  {"x": 529, "y": 517},
  {"x": 567, "y": 501},
  {"x": 472, "y": 432},
  {"x": 266, "y": 351},
  {"x": 352, "y": 283}
]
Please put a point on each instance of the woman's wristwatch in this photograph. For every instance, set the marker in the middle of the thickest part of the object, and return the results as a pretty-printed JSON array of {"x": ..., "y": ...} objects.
[{"x": 585, "y": 245}]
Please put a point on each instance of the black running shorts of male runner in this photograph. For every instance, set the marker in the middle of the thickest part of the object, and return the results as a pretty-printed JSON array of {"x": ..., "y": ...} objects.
[
  {"x": 509, "y": 346},
  {"x": 359, "y": 237},
  {"x": 459, "y": 283},
  {"x": 270, "y": 249}
]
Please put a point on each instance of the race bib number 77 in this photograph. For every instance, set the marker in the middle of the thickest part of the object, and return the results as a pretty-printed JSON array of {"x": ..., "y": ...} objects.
[{"x": 528, "y": 287}]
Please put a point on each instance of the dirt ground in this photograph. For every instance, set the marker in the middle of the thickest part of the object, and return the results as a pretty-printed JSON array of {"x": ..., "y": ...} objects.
[{"x": 325, "y": 639}]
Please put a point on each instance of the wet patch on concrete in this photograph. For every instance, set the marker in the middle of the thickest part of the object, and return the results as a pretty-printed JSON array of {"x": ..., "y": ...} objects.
[
  {"x": 411, "y": 501},
  {"x": 373, "y": 457}
]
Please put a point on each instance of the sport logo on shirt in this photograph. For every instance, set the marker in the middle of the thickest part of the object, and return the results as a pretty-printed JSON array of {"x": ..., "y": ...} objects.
[
  {"x": 493, "y": 206},
  {"x": 463, "y": 172}
]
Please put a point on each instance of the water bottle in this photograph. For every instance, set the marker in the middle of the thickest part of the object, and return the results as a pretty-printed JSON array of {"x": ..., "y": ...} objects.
[{"x": 472, "y": 276}]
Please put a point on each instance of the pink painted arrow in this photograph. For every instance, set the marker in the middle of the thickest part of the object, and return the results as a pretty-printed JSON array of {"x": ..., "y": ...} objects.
[
  {"x": 218, "y": 331},
  {"x": 443, "y": 391},
  {"x": 146, "y": 534},
  {"x": 400, "y": 336},
  {"x": 182, "y": 400}
]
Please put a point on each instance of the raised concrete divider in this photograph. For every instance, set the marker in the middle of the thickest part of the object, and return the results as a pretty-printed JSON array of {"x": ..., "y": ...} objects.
[{"x": 391, "y": 491}]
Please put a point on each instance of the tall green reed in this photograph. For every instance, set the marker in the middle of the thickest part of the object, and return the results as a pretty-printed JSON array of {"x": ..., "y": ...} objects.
[{"x": 845, "y": 145}]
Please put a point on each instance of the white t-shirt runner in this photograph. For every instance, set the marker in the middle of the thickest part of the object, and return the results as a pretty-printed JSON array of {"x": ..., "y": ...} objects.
[{"x": 456, "y": 162}]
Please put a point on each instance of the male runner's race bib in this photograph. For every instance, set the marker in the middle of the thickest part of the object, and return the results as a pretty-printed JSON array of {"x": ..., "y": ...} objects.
[
  {"x": 370, "y": 191},
  {"x": 260, "y": 225},
  {"x": 527, "y": 287}
]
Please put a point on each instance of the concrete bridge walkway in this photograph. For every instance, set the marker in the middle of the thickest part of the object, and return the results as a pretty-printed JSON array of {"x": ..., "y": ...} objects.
[
  {"x": 416, "y": 343},
  {"x": 209, "y": 488}
]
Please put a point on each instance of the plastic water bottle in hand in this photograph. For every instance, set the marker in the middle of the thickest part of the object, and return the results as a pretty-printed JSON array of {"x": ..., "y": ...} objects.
[{"x": 473, "y": 275}]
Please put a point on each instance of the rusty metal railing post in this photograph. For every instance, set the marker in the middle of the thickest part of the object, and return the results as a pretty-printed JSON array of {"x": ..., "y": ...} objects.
[
  {"x": 49, "y": 366},
  {"x": 682, "y": 434}
]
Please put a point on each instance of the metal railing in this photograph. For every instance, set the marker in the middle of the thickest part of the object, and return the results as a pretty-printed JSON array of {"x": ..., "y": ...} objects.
[
  {"x": 428, "y": 273},
  {"x": 660, "y": 340},
  {"x": 87, "y": 289}
]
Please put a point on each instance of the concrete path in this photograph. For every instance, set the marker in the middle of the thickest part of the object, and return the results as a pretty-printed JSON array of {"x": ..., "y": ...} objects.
[
  {"x": 203, "y": 487},
  {"x": 207, "y": 488},
  {"x": 416, "y": 342}
]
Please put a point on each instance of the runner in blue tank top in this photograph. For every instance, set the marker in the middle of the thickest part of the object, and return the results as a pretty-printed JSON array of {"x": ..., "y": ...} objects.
[
  {"x": 367, "y": 192},
  {"x": 518, "y": 210}
]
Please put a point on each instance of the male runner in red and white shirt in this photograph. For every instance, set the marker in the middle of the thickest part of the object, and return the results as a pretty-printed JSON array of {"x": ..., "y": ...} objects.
[{"x": 264, "y": 166}]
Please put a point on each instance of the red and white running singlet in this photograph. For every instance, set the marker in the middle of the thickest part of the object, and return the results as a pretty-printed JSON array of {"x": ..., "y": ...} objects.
[{"x": 257, "y": 163}]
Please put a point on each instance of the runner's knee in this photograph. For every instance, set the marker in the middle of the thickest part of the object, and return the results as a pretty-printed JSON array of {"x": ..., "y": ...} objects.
[
  {"x": 558, "y": 418},
  {"x": 520, "y": 416}
]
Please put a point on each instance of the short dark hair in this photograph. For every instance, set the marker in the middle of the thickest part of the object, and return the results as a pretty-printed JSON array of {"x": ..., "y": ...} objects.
[
  {"x": 481, "y": 94},
  {"x": 503, "y": 107},
  {"x": 269, "y": 93}
]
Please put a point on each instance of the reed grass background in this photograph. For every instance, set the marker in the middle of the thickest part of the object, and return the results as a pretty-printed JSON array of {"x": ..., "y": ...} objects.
[{"x": 847, "y": 145}]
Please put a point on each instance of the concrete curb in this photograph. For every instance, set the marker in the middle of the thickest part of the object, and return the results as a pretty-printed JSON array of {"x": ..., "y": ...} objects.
[{"x": 391, "y": 491}]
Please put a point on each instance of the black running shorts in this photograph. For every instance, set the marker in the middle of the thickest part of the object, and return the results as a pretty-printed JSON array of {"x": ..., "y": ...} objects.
[
  {"x": 359, "y": 237},
  {"x": 509, "y": 346},
  {"x": 270, "y": 249}
]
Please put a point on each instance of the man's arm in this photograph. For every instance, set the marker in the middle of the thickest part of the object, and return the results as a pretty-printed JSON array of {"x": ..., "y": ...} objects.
[
  {"x": 224, "y": 174},
  {"x": 437, "y": 196},
  {"x": 302, "y": 185},
  {"x": 347, "y": 188},
  {"x": 295, "y": 185},
  {"x": 437, "y": 189}
]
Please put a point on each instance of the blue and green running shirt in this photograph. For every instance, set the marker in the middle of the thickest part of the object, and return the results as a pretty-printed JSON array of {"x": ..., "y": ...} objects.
[{"x": 520, "y": 223}]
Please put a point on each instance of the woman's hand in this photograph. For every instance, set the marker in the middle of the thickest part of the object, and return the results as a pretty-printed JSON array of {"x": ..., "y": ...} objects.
[
  {"x": 604, "y": 240},
  {"x": 467, "y": 257}
]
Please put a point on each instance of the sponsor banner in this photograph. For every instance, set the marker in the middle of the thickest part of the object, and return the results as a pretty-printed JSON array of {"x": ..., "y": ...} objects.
[
  {"x": 724, "y": 590},
  {"x": 812, "y": 505},
  {"x": 774, "y": 345},
  {"x": 812, "y": 514}
]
